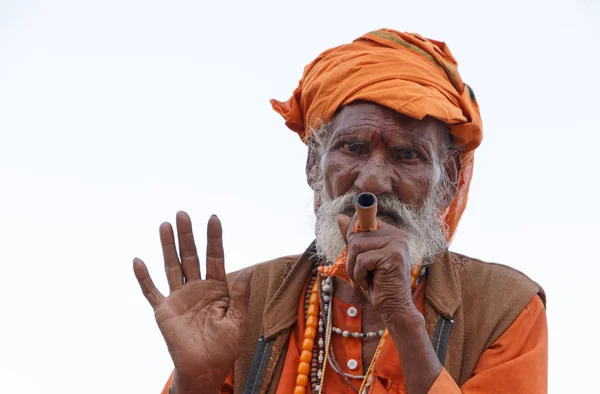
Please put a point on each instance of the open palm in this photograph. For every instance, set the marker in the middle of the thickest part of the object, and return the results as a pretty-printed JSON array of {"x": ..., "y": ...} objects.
[{"x": 202, "y": 322}]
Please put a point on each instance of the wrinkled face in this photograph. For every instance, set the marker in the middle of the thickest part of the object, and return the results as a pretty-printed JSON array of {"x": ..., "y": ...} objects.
[{"x": 404, "y": 161}]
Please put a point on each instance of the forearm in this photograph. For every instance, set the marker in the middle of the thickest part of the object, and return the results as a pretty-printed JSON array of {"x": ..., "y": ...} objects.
[{"x": 420, "y": 364}]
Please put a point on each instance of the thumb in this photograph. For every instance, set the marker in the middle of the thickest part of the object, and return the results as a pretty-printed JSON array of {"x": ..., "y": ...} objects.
[
  {"x": 240, "y": 295},
  {"x": 344, "y": 222}
]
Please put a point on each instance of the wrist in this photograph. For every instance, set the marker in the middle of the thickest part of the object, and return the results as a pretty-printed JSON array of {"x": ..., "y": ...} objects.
[
  {"x": 201, "y": 385},
  {"x": 407, "y": 321},
  {"x": 404, "y": 312}
]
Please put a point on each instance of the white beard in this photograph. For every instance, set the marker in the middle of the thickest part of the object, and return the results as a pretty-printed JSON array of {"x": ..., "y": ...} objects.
[{"x": 426, "y": 231}]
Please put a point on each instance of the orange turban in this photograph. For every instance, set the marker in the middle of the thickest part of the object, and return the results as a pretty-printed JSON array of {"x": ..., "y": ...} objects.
[{"x": 410, "y": 74}]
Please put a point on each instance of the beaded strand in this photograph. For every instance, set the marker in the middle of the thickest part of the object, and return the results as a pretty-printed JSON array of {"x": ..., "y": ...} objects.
[
  {"x": 325, "y": 294},
  {"x": 327, "y": 343},
  {"x": 307, "y": 296},
  {"x": 314, "y": 361},
  {"x": 369, "y": 375},
  {"x": 318, "y": 353},
  {"x": 310, "y": 333},
  {"x": 337, "y": 369},
  {"x": 346, "y": 333}
]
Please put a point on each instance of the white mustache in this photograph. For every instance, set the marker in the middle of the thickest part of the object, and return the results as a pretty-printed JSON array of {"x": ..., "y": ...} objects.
[
  {"x": 423, "y": 225},
  {"x": 386, "y": 206}
]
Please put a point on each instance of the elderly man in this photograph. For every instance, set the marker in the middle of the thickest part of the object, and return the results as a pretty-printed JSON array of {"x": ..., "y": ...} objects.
[{"x": 389, "y": 310}]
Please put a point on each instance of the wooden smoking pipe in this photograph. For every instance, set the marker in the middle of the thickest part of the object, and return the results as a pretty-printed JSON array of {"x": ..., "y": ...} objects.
[{"x": 366, "y": 210}]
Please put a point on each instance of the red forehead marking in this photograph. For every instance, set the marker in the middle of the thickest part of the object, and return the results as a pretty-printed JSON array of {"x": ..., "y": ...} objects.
[
  {"x": 380, "y": 136},
  {"x": 377, "y": 137}
]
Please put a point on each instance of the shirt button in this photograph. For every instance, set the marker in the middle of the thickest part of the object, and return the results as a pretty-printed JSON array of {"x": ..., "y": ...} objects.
[
  {"x": 352, "y": 311},
  {"x": 352, "y": 364}
]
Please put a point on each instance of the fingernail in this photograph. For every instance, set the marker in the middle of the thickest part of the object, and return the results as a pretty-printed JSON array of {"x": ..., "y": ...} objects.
[{"x": 213, "y": 216}]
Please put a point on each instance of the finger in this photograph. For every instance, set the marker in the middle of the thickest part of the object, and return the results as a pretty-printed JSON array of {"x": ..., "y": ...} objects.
[
  {"x": 366, "y": 263},
  {"x": 215, "y": 256},
  {"x": 353, "y": 250},
  {"x": 344, "y": 222},
  {"x": 152, "y": 294},
  {"x": 172, "y": 266},
  {"x": 187, "y": 247},
  {"x": 359, "y": 243},
  {"x": 240, "y": 295}
]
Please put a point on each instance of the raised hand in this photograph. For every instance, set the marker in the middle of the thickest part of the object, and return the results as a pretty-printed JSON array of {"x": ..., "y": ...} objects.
[{"x": 202, "y": 323}]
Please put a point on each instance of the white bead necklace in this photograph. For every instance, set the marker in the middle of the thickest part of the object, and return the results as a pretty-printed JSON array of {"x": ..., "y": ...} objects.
[{"x": 347, "y": 334}]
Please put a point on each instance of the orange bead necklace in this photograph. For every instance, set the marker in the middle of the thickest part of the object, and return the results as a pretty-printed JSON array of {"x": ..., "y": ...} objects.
[{"x": 310, "y": 333}]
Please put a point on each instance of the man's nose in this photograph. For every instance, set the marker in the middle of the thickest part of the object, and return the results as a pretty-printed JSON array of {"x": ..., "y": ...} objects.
[{"x": 375, "y": 176}]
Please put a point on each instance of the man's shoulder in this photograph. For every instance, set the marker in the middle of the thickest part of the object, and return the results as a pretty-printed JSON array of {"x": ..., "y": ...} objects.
[
  {"x": 492, "y": 296},
  {"x": 475, "y": 268},
  {"x": 484, "y": 275},
  {"x": 492, "y": 291}
]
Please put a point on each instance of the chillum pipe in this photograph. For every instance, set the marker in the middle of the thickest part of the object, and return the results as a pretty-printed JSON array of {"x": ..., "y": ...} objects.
[{"x": 366, "y": 209}]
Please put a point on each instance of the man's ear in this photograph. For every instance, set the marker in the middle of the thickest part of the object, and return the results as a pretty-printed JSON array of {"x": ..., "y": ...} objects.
[{"x": 453, "y": 167}]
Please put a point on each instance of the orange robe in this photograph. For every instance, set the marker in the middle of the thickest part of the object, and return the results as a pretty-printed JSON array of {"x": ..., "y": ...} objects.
[{"x": 517, "y": 362}]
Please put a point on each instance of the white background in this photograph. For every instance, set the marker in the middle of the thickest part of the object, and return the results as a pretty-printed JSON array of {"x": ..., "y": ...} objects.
[{"x": 116, "y": 114}]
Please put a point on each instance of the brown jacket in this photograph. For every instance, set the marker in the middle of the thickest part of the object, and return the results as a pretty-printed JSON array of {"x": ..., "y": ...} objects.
[{"x": 468, "y": 305}]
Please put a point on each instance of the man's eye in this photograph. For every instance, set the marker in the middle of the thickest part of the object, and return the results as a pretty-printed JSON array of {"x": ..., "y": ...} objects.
[
  {"x": 407, "y": 154},
  {"x": 354, "y": 147}
]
